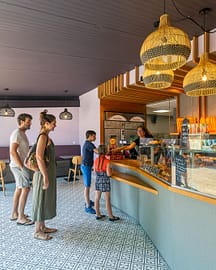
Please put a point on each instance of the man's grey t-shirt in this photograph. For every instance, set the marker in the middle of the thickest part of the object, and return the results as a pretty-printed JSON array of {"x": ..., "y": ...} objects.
[{"x": 19, "y": 137}]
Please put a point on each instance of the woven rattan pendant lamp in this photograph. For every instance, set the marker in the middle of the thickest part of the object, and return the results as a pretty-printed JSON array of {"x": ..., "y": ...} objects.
[
  {"x": 158, "y": 79},
  {"x": 166, "y": 48},
  {"x": 201, "y": 80}
]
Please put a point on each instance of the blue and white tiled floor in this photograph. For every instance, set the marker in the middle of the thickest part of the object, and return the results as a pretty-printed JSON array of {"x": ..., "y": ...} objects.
[{"x": 81, "y": 242}]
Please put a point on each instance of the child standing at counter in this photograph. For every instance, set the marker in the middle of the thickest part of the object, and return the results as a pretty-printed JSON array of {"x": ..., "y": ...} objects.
[
  {"x": 87, "y": 163},
  {"x": 103, "y": 172}
]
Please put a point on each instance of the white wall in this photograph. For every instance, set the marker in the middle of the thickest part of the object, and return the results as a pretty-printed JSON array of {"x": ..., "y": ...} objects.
[
  {"x": 66, "y": 132},
  {"x": 89, "y": 115}
]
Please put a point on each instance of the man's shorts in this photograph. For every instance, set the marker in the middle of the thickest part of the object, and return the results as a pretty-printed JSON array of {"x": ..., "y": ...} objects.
[
  {"x": 87, "y": 172},
  {"x": 22, "y": 177}
]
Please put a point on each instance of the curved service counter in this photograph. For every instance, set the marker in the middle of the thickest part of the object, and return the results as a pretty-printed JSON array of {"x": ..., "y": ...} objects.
[{"x": 181, "y": 221}]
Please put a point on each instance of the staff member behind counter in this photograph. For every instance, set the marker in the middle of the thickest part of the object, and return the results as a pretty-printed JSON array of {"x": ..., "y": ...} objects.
[{"x": 144, "y": 137}]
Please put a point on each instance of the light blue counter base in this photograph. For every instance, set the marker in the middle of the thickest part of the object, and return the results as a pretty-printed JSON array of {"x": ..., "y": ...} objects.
[{"x": 183, "y": 229}]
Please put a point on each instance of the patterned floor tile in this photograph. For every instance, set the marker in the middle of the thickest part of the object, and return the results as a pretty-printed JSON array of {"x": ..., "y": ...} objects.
[{"x": 81, "y": 243}]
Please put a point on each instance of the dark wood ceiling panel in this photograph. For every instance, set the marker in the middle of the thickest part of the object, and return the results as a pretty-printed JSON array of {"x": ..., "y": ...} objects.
[{"x": 49, "y": 46}]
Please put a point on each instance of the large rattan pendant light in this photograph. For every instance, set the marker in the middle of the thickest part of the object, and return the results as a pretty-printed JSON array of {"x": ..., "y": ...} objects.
[
  {"x": 201, "y": 80},
  {"x": 166, "y": 48},
  {"x": 160, "y": 79}
]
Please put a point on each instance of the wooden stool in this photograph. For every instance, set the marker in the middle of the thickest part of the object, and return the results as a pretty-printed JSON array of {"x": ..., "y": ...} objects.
[
  {"x": 2, "y": 168},
  {"x": 76, "y": 161}
]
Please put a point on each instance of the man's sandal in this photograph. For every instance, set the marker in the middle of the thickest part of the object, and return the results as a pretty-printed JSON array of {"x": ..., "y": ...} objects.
[
  {"x": 42, "y": 236},
  {"x": 15, "y": 218},
  {"x": 27, "y": 222}
]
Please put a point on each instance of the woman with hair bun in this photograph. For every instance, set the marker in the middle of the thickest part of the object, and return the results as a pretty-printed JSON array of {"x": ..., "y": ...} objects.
[{"x": 44, "y": 180}]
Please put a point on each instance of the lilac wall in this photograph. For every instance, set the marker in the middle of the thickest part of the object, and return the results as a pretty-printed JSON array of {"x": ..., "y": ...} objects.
[{"x": 66, "y": 132}]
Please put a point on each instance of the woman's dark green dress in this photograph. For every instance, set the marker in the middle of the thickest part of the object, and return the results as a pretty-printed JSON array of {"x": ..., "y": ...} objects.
[{"x": 44, "y": 201}]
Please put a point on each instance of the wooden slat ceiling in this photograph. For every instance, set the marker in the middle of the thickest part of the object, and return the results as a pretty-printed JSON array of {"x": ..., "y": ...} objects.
[
  {"x": 117, "y": 89},
  {"x": 49, "y": 46}
]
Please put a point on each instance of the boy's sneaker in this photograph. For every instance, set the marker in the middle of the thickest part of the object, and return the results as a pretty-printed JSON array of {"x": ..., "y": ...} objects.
[
  {"x": 90, "y": 210},
  {"x": 91, "y": 203}
]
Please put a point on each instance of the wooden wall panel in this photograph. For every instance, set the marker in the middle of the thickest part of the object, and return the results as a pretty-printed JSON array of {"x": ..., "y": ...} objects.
[{"x": 118, "y": 106}]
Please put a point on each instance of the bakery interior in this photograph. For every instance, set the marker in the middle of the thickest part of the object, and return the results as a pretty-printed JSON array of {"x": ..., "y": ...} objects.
[{"x": 112, "y": 67}]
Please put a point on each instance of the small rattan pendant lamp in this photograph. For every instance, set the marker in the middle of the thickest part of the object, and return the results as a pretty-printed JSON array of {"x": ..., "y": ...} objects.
[
  {"x": 160, "y": 79},
  {"x": 166, "y": 48}
]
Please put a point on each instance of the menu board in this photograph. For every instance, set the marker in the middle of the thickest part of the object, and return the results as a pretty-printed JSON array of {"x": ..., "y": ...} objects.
[
  {"x": 184, "y": 133},
  {"x": 181, "y": 168}
]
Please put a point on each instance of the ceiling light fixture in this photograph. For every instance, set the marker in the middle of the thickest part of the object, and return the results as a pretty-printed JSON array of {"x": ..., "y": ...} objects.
[
  {"x": 161, "y": 111},
  {"x": 158, "y": 79},
  {"x": 65, "y": 115},
  {"x": 166, "y": 48},
  {"x": 6, "y": 110},
  {"x": 201, "y": 80}
]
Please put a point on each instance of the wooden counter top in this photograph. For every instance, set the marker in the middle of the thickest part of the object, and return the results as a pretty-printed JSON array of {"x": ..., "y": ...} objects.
[
  {"x": 133, "y": 181},
  {"x": 135, "y": 166}
]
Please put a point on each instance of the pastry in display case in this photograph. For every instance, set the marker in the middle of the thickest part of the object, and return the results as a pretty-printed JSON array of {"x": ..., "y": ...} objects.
[
  {"x": 190, "y": 169},
  {"x": 198, "y": 172},
  {"x": 158, "y": 160}
]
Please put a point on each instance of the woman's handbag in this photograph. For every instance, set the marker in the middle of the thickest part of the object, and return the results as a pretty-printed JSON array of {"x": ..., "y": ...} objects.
[{"x": 31, "y": 161}]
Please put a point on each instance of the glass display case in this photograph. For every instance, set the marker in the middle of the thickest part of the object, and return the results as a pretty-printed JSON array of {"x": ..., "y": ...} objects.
[{"x": 192, "y": 167}]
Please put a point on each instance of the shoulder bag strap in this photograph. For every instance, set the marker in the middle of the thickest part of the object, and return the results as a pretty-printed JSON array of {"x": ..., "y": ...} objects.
[{"x": 43, "y": 134}]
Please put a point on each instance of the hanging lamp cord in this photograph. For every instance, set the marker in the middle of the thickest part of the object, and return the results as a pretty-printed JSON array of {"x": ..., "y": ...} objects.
[
  {"x": 203, "y": 27},
  {"x": 164, "y": 6}
]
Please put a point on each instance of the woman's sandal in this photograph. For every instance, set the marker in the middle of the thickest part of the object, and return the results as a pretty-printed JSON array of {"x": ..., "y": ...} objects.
[
  {"x": 42, "y": 236},
  {"x": 100, "y": 217},
  {"x": 114, "y": 218},
  {"x": 49, "y": 230}
]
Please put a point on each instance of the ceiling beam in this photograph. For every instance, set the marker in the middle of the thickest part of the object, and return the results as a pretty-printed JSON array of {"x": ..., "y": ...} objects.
[{"x": 40, "y": 101}]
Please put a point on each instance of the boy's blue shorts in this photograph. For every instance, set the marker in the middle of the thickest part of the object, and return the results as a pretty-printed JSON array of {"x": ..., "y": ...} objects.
[{"x": 87, "y": 172}]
